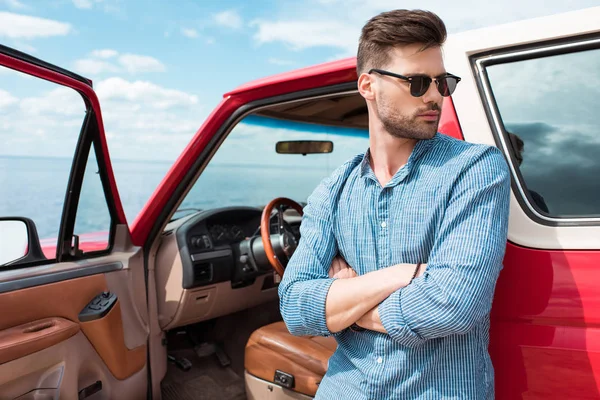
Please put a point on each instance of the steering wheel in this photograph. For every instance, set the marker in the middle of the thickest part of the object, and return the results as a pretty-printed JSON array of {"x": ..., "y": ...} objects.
[{"x": 288, "y": 243}]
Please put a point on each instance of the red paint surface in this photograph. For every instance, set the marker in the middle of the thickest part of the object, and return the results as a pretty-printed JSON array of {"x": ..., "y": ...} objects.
[
  {"x": 545, "y": 320},
  {"x": 545, "y": 330},
  {"x": 449, "y": 124}
]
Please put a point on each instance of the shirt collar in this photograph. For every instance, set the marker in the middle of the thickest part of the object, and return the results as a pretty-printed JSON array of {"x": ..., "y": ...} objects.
[{"x": 420, "y": 149}]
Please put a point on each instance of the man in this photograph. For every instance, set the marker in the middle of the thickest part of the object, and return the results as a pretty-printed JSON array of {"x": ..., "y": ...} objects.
[{"x": 422, "y": 220}]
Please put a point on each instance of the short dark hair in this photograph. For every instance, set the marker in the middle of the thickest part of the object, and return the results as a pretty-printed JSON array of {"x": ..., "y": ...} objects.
[{"x": 397, "y": 28}]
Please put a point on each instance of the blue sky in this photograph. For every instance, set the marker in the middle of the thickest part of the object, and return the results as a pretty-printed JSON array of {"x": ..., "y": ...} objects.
[{"x": 159, "y": 67}]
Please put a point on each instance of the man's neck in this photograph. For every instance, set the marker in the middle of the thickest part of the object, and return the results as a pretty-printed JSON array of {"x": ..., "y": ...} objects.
[{"x": 388, "y": 154}]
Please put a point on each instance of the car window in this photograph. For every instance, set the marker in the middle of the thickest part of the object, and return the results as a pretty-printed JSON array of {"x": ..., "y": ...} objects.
[
  {"x": 93, "y": 221},
  {"x": 247, "y": 171},
  {"x": 549, "y": 109},
  {"x": 40, "y": 124}
]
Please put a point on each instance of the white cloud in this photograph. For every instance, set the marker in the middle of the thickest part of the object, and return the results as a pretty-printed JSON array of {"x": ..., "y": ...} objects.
[
  {"x": 6, "y": 99},
  {"x": 319, "y": 23},
  {"x": 303, "y": 34},
  {"x": 104, "y": 53},
  {"x": 277, "y": 61},
  {"x": 131, "y": 63},
  {"x": 28, "y": 27},
  {"x": 142, "y": 120},
  {"x": 229, "y": 19},
  {"x": 134, "y": 63},
  {"x": 62, "y": 100},
  {"x": 143, "y": 92},
  {"x": 191, "y": 33},
  {"x": 94, "y": 67}
]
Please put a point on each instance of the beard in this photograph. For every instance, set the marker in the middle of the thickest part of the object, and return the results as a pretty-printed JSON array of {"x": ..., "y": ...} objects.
[{"x": 407, "y": 126}]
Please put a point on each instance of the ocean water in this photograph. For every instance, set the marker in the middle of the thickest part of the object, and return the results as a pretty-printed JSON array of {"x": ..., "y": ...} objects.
[{"x": 35, "y": 187}]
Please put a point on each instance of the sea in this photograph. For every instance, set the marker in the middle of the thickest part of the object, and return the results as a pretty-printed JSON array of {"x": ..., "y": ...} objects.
[{"x": 35, "y": 187}]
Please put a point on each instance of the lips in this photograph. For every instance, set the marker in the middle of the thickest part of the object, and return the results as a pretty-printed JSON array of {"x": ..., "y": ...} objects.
[{"x": 432, "y": 114}]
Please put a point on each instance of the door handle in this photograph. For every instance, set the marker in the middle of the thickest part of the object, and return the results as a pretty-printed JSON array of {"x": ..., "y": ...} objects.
[
  {"x": 22, "y": 340},
  {"x": 90, "y": 390}
]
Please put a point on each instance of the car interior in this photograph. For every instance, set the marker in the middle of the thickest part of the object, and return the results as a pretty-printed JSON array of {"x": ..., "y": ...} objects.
[
  {"x": 217, "y": 272},
  {"x": 194, "y": 313}
]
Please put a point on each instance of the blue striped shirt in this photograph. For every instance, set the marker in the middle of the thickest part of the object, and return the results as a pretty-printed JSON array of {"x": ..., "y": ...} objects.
[{"x": 447, "y": 207}]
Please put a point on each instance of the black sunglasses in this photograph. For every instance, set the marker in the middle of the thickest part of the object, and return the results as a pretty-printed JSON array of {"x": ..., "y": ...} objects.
[{"x": 419, "y": 84}]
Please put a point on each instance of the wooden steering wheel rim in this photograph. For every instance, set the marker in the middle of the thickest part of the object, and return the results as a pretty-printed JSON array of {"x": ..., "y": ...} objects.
[{"x": 265, "y": 229}]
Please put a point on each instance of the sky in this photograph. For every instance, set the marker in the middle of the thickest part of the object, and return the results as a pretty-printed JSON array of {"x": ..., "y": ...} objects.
[{"x": 160, "y": 67}]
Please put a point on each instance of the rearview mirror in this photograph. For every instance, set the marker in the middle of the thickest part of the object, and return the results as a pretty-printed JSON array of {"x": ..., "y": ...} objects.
[
  {"x": 304, "y": 147},
  {"x": 19, "y": 241}
]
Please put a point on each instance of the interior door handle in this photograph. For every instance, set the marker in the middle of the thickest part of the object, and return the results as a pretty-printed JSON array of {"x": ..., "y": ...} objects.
[
  {"x": 22, "y": 340},
  {"x": 90, "y": 390}
]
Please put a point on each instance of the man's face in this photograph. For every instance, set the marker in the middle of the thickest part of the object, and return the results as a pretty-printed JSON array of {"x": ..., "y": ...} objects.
[{"x": 403, "y": 115}]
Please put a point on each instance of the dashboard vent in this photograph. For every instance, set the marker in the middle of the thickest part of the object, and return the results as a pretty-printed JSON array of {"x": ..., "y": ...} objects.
[{"x": 202, "y": 273}]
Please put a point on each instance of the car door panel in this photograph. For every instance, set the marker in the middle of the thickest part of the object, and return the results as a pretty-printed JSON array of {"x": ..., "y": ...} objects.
[
  {"x": 106, "y": 335},
  {"x": 111, "y": 349},
  {"x": 80, "y": 366},
  {"x": 28, "y": 338},
  {"x": 544, "y": 335},
  {"x": 46, "y": 350}
]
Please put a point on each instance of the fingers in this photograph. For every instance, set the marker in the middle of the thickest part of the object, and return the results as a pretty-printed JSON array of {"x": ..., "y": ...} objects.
[
  {"x": 346, "y": 273},
  {"x": 340, "y": 269},
  {"x": 335, "y": 267}
]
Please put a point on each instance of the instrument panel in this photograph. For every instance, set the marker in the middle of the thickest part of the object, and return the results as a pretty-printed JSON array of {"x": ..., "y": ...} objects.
[{"x": 221, "y": 234}]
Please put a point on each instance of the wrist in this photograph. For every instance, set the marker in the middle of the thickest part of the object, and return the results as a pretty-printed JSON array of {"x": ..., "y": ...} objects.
[{"x": 416, "y": 272}]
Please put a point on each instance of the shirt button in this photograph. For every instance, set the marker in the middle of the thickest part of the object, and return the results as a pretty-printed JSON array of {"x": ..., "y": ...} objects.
[
  {"x": 379, "y": 360},
  {"x": 383, "y": 224}
]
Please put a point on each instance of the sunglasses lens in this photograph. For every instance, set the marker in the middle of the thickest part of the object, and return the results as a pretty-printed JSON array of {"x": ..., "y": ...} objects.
[
  {"x": 447, "y": 85},
  {"x": 419, "y": 85}
]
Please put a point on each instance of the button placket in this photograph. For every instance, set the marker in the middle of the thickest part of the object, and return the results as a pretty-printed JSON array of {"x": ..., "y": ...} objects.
[{"x": 382, "y": 234}]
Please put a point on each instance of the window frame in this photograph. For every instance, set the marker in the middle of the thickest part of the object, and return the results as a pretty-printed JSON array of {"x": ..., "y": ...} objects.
[
  {"x": 188, "y": 181},
  {"x": 89, "y": 139},
  {"x": 479, "y": 64}
]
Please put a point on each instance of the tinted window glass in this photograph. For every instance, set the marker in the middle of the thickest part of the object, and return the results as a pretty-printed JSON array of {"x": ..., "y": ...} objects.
[
  {"x": 247, "y": 170},
  {"x": 549, "y": 107},
  {"x": 92, "y": 222},
  {"x": 40, "y": 123}
]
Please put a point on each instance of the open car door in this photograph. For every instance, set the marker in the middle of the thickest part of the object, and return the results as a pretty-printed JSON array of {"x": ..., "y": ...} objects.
[{"x": 74, "y": 320}]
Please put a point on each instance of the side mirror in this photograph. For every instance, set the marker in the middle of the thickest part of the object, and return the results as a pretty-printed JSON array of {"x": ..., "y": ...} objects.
[{"x": 19, "y": 241}]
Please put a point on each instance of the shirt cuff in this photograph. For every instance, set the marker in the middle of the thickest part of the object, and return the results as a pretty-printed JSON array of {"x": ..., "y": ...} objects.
[
  {"x": 392, "y": 319},
  {"x": 313, "y": 301}
]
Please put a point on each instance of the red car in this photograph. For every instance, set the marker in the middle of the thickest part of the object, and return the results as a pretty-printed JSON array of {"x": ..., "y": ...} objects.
[{"x": 182, "y": 301}]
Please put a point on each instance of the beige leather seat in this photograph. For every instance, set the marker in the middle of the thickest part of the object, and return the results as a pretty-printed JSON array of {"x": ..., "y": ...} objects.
[{"x": 272, "y": 348}]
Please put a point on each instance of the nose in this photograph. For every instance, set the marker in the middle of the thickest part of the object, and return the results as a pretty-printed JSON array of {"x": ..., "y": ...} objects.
[{"x": 432, "y": 95}]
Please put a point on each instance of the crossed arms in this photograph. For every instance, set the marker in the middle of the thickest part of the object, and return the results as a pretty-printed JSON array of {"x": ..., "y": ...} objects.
[{"x": 453, "y": 294}]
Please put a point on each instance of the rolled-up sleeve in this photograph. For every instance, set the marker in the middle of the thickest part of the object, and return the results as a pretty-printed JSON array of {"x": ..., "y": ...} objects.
[
  {"x": 456, "y": 291},
  {"x": 305, "y": 284}
]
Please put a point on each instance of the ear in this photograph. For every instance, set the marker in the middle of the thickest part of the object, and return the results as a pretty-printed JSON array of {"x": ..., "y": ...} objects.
[{"x": 366, "y": 86}]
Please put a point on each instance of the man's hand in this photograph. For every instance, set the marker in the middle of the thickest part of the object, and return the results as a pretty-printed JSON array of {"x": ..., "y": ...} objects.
[
  {"x": 340, "y": 269},
  {"x": 350, "y": 299},
  {"x": 371, "y": 319}
]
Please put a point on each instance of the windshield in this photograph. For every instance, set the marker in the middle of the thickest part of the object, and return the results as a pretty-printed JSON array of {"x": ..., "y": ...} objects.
[{"x": 247, "y": 171}]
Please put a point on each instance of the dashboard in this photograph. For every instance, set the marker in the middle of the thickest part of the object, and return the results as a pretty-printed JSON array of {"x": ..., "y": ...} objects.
[{"x": 213, "y": 262}]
